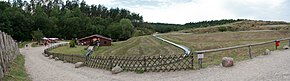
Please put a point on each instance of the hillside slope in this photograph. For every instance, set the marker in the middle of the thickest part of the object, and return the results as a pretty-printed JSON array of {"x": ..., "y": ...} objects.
[
  {"x": 138, "y": 46},
  {"x": 208, "y": 41},
  {"x": 242, "y": 26},
  {"x": 224, "y": 39}
]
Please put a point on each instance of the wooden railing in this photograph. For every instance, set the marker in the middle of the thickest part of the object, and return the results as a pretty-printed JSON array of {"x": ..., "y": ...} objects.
[
  {"x": 137, "y": 64},
  {"x": 143, "y": 63},
  {"x": 8, "y": 52},
  {"x": 71, "y": 58},
  {"x": 201, "y": 54},
  {"x": 157, "y": 63}
]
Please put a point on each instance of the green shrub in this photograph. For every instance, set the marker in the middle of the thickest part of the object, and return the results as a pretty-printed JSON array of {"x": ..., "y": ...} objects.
[
  {"x": 72, "y": 43},
  {"x": 222, "y": 29}
]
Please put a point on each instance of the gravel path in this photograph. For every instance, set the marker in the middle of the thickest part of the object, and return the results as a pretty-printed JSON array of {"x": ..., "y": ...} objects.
[{"x": 274, "y": 67}]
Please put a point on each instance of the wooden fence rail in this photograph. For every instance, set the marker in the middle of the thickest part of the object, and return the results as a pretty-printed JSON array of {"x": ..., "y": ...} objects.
[
  {"x": 248, "y": 46},
  {"x": 153, "y": 63},
  {"x": 138, "y": 64},
  {"x": 8, "y": 52}
]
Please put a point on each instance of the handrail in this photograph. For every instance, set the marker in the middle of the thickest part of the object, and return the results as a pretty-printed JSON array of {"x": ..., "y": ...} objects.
[
  {"x": 240, "y": 46},
  {"x": 186, "y": 50}
]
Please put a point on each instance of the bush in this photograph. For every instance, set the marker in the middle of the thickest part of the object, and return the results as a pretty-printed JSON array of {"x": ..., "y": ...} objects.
[
  {"x": 72, "y": 43},
  {"x": 222, "y": 29}
]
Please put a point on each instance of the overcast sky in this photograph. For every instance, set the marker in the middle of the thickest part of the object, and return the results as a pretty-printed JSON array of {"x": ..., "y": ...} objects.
[{"x": 184, "y": 11}]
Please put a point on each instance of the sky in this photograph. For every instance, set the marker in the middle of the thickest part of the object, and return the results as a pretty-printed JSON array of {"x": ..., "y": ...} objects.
[{"x": 184, "y": 11}]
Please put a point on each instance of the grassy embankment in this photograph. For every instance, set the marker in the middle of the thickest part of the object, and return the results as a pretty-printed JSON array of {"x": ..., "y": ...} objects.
[
  {"x": 80, "y": 50},
  {"x": 17, "y": 70},
  {"x": 139, "y": 46},
  {"x": 227, "y": 39},
  {"x": 135, "y": 46},
  {"x": 34, "y": 45},
  {"x": 241, "y": 26},
  {"x": 22, "y": 45}
]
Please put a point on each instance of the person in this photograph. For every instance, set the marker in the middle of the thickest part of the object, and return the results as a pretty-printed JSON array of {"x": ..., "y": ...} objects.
[{"x": 45, "y": 43}]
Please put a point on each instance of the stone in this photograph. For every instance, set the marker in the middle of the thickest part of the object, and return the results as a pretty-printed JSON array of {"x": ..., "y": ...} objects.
[
  {"x": 79, "y": 64},
  {"x": 227, "y": 61},
  {"x": 64, "y": 61},
  {"x": 117, "y": 69},
  {"x": 267, "y": 52},
  {"x": 56, "y": 58},
  {"x": 46, "y": 55},
  {"x": 50, "y": 57},
  {"x": 286, "y": 47}
]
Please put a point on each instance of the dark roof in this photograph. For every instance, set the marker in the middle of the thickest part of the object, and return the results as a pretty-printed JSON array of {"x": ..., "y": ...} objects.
[{"x": 96, "y": 35}]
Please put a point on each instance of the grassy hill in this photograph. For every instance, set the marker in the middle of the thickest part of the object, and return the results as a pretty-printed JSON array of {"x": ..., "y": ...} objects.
[
  {"x": 242, "y": 26},
  {"x": 139, "y": 46},
  {"x": 224, "y": 39},
  {"x": 233, "y": 34},
  {"x": 207, "y": 41},
  {"x": 135, "y": 46}
]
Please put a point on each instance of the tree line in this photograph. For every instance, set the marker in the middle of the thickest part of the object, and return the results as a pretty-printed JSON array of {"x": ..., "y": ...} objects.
[
  {"x": 26, "y": 20},
  {"x": 164, "y": 27},
  {"x": 72, "y": 19}
]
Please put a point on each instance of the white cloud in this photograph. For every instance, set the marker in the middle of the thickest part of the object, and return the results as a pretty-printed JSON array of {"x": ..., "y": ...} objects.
[
  {"x": 184, "y": 11},
  {"x": 103, "y": 2},
  {"x": 257, "y": 9}
]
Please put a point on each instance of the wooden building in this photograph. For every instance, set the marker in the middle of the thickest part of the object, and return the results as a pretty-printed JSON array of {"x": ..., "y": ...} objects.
[
  {"x": 50, "y": 40},
  {"x": 95, "y": 40}
]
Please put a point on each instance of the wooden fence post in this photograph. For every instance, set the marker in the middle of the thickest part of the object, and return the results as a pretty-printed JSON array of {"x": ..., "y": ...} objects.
[
  {"x": 200, "y": 56},
  {"x": 72, "y": 58},
  {"x": 192, "y": 60},
  {"x": 250, "y": 51},
  {"x": 144, "y": 64},
  {"x": 2, "y": 63},
  {"x": 289, "y": 42},
  {"x": 111, "y": 62}
]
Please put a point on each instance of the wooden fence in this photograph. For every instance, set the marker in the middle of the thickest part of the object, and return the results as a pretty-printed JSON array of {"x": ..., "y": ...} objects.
[
  {"x": 250, "y": 50},
  {"x": 137, "y": 64},
  {"x": 71, "y": 58},
  {"x": 168, "y": 62},
  {"x": 8, "y": 52}
]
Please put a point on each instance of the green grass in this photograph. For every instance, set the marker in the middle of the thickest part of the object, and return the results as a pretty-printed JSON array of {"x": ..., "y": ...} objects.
[
  {"x": 135, "y": 46},
  {"x": 17, "y": 70},
  {"x": 22, "y": 45},
  {"x": 68, "y": 50},
  {"x": 34, "y": 45},
  {"x": 139, "y": 46},
  {"x": 226, "y": 39}
]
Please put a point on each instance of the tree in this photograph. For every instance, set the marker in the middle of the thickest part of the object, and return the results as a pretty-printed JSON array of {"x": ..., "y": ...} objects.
[
  {"x": 42, "y": 21},
  {"x": 122, "y": 30},
  {"x": 73, "y": 19},
  {"x": 37, "y": 35},
  {"x": 127, "y": 29}
]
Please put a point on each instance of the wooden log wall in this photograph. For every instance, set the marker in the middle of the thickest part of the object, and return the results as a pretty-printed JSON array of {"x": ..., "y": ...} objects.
[{"x": 8, "y": 52}]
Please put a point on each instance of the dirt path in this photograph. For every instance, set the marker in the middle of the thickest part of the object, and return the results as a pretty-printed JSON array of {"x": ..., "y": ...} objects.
[{"x": 274, "y": 67}]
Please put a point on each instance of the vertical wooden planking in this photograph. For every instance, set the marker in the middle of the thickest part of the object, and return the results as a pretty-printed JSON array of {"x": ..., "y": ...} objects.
[
  {"x": 5, "y": 51},
  {"x": 2, "y": 63},
  {"x": 8, "y": 51}
]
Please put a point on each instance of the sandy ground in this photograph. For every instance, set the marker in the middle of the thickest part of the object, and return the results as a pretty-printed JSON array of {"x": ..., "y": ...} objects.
[{"x": 274, "y": 67}]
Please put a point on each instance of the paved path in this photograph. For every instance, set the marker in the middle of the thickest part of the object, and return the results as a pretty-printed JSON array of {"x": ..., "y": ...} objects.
[{"x": 274, "y": 67}]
